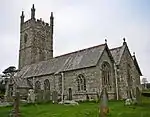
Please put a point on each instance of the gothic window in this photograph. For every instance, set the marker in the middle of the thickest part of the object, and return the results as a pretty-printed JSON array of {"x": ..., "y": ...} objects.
[
  {"x": 81, "y": 81},
  {"x": 37, "y": 86},
  {"x": 25, "y": 37},
  {"x": 46, "y": 85},
  {"x": 106, "y": 72}
]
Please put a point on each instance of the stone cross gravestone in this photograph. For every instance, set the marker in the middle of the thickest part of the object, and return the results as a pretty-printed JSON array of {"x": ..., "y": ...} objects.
[
  {"x": 15, "y": 112},
  {"x": 104, "y": 110}
]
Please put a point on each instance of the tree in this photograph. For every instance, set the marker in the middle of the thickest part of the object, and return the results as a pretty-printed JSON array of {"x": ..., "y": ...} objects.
[
  {"x": 2, "y": 87},
  {"x": 10, "y": 70},
  {"x": 8, "y": 73}
]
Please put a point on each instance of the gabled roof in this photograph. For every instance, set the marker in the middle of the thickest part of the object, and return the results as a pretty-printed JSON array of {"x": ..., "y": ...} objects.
[
  {"x": 71, "y": 61},
  {"x": 21, "y": 82},
  {"x": 117, "y": 53},
  {"x": 136, "y": 64}
]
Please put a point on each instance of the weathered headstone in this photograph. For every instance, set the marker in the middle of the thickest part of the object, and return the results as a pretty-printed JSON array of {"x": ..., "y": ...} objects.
[
  {"x": 15, "y": 112},
  {"x": 134, "y": 101},
  {"x": 31, "y": 96},
  {"x": 104, "y": 110},
  {"x": 138, "y": 95},
  {"x": 129, "y": 94},
  {"x": 39, "y": 96},
  {"x": 54, "y": 96},
  {"x": 70, "y": 94},
  {"x": 46, "y": 97}
]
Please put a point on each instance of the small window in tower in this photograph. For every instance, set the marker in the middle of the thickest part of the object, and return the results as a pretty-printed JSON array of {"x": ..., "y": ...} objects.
[{"x": 25, "y": 37}]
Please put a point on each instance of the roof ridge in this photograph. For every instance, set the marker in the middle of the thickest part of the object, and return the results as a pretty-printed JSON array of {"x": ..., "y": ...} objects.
[
  {"x": 79, "y": 50},
  {"x": 66, "y": 54},
  {"x": 116, "y": 48}
]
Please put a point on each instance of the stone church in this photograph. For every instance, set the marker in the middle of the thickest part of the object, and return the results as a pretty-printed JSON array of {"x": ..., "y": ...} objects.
[{"x": 78, "y": 75}]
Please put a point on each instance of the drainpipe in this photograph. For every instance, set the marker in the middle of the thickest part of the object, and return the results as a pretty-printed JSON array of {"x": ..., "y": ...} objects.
[
  {"x": 116, "y": 79},
  {"x": 62, "y": 95}
]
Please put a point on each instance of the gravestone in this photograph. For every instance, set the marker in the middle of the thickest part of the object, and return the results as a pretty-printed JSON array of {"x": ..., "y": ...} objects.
[
  {"x": 54, "y": 96},
  {"x": 104, "y": 110},
  {"x": 31, "y": 96},
  {"x": 129, "y": 93},
  {"x": 70, "y": 94},
  {"x": 46, "y": 97},
  {"x": 15, "y": 112},
  {"x": 134, "y": 101},
  {"x": 39, "y": 96},
  {"x": 138, "y": 95}
]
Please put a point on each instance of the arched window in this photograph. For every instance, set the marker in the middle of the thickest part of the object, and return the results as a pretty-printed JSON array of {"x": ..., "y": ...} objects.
[
  {"x": 46, "y": 85},
  {"x": 81, "y": 81},
  {"x": 106, "y": 72},
  {"x": 37, "y": 86}
]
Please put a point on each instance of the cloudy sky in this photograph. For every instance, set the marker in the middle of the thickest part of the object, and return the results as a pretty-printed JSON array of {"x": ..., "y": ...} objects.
[{"x": 80, "y": 24}]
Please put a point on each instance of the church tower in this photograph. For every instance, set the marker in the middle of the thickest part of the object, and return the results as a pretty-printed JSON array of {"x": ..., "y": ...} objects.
[{"x": 36, "y": 40}]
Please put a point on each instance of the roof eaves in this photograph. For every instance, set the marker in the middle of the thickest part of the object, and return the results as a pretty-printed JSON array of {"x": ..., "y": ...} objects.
[{"x": 136, "y": 64}]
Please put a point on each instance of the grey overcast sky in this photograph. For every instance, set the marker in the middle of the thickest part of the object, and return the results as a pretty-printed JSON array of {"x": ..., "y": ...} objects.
[{"x": 80, "y": 24}]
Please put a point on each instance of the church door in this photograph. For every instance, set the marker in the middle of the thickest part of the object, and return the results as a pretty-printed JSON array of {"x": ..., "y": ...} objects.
[{"x": 70, "y": 94}]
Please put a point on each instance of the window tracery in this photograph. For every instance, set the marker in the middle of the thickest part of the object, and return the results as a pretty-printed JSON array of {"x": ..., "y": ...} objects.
[
  {"x": 46, "y": 85},
  {"x": 106, "y": 73},
  {"x": 81, "y": 81}
]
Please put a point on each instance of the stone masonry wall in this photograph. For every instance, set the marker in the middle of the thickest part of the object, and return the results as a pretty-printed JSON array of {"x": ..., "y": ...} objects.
[
  {"x": 105, "y": 58},
  {"x": 38, "y": 45},
  {"x": 93, "y": 81},
  {"x": 123, "y": 75}
]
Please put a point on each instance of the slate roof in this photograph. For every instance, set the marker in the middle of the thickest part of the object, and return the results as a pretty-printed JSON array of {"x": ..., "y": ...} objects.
[
  {"x": 136, "y": 64},
  {"x": 117, "y": 53},
  {"x": 76, "y": 60},
  {"x": 21, "y": 82},
  {"x": 71, "y": 61}
]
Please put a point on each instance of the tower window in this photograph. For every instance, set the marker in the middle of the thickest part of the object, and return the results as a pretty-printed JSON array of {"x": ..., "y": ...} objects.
[{"x": 25, "y": 37}]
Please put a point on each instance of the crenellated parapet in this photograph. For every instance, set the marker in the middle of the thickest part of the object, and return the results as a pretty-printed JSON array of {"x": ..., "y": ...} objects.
[{"x": 39, "y": 23}]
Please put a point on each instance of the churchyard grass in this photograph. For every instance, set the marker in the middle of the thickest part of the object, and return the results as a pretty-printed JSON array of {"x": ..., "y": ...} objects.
[{"x": 86, "y": 109}]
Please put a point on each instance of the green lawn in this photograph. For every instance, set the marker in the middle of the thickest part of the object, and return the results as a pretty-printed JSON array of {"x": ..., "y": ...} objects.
[{"x": 88, "y": 109}]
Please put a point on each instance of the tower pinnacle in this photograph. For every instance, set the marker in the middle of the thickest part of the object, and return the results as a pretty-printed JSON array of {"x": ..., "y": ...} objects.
[
  {"x": 51, "y": 22},
  {"x": 22, "y": 17},
  {"x": 33, "y": 12}
]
